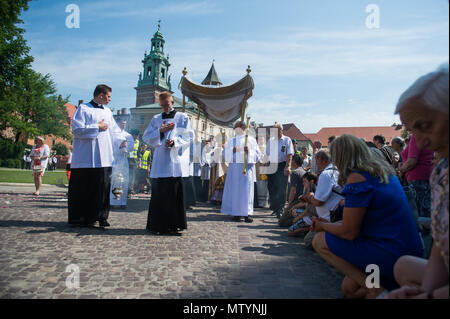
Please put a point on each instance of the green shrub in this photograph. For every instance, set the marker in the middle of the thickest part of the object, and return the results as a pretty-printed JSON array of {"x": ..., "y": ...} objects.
[
  {"x": 10, "y": 150},
  {"x": 60, "y": 149}
]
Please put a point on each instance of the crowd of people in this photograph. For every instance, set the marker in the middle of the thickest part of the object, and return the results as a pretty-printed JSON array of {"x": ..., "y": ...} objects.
[
  {"x": 374, "y": 203},
  {"x": 356, "y": 203}
]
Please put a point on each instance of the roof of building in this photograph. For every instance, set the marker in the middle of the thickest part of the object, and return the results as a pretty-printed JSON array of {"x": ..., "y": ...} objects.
[
  {"x": 292, "y": 131},
  {"x": 70, "y": 109},
  {"x": 365, "y": 132},
  {"x": 212, "y": 78}
]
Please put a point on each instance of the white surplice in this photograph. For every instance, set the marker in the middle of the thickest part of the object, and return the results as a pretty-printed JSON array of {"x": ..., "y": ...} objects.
[
  {"x": 93, "y": 148},
  {"x": 174, "y": 161},
  {"x": 120, "y": 165},
  {"x": 238, "y": 193}
]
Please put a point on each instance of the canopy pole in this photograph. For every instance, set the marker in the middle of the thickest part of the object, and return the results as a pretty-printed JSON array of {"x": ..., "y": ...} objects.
[
  {"x": 184, "y": 96},
  {"x": 206, "y": 124},
  {"x": 244, "y": 102}
]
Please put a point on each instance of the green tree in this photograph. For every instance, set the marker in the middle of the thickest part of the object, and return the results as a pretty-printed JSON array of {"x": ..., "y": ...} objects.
[
  {"x": 60, "y": 149},
  {"x": 29, "y": 104}
]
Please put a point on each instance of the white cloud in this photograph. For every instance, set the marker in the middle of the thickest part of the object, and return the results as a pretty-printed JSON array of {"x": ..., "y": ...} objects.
[{"x": 137, "y": 9}]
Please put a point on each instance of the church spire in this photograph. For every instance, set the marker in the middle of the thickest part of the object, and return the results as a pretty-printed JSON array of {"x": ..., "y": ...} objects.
[
  {"x": 212, "y": 78},
  {"x": 156, "y": 69}
]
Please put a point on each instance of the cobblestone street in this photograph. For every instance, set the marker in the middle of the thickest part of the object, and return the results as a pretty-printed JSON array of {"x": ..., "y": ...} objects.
[{"x": 214, "y": 258}]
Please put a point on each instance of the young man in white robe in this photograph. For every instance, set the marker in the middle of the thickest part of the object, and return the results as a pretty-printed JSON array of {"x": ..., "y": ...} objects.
[
  {"x": 170, "y": 134},
  {"x": 95, "y": 134},
  {"x": 120, "y": 170},
  {"x": 238, "y": 194}
]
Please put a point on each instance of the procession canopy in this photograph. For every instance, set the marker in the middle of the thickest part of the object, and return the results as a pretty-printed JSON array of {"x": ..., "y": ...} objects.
[{"x": 224, "y": 104}]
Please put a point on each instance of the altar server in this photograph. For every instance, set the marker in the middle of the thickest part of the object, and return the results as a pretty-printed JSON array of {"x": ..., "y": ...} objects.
[
  {"x": 121, "y": 166},
  {"x": 238, "y": 193},
  {"x": 95, "y": 133},
  {"x": 170, "y": 134}
]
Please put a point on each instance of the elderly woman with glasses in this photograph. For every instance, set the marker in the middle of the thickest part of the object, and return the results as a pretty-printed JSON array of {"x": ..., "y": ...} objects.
[{"x": 423, "y": 108}]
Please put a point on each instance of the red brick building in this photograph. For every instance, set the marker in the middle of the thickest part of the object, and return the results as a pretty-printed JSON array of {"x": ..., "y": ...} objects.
[
  {"x": 294, "y": 132},
  {"x": 367, "y": 133}
]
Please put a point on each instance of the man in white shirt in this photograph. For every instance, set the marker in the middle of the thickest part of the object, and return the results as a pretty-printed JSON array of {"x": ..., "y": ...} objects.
[
  {"x": 328, "y": 192},
  {"x": 95, "y": 132},
  {"x": 279, "y": 152},
  {"x": 54, "y": 161},
  {"x": 170, "y": 134}
]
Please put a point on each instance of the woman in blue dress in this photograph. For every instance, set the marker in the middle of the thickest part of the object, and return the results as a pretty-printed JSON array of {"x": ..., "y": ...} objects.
[{"x": 377, "y": 227}]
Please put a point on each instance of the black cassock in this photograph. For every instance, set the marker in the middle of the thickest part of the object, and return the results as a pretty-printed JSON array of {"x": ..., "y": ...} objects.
[
  {"x": 89, "y": 195},
  {"x": 201, "y": 189},
  {"x": 190, "y": 196},
  {"x": 167, "y": 212}
]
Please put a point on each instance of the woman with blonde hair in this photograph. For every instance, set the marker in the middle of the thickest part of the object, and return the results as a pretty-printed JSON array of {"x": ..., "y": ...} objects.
[
  {"x": 377, "y": 226},
  {"x": 39, "y": 157}
]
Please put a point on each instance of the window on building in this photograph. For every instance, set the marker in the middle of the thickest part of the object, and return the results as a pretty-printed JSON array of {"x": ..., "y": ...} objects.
[
  {"x": 142, "y": 118},
  {"x": 211, "y": 130},
  {"x": 163, "y": 73},
  {"x": 203, "y": 126},
  {"x": 149, "y": 70}
]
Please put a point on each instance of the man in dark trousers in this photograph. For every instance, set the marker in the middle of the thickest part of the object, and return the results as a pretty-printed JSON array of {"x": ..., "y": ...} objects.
[{"x": 94, "y": 133}]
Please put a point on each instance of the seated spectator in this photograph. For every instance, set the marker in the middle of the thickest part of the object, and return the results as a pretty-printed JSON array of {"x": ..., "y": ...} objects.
[
  {"x": 375, "y": 151},
  {"x": 417, "y": 166},
  {"x": 303, "y": 212},
  {"x": 296, "y": 184},
  {"x": 377, "y": 225},
  {"x": 296, "y": 189},
  {"x": 387, "y": 151},
  {"x": 398, "y": 144},
  {"x": 328, "y": 192},
  {"x": 424, "y": 109}
]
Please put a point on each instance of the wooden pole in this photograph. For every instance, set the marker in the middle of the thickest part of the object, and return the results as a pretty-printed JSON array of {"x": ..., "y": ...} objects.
[
  {"x": 206, "y": 124},
  {"x": 244, "y": 171}
]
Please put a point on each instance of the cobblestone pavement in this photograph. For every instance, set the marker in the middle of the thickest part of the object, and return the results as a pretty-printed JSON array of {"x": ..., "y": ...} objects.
[{"x": 214, "y": 258}]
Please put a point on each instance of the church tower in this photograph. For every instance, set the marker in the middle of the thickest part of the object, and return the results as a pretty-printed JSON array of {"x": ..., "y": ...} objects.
[{"x": 155, "y": 78}]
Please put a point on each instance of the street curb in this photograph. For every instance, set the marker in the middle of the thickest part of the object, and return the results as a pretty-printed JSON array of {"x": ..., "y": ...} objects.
[{"x": 31, "y": 184}]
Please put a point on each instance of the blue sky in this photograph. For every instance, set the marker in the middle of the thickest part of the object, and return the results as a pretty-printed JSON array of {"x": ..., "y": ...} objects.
[{"x": 315, "y": 63}]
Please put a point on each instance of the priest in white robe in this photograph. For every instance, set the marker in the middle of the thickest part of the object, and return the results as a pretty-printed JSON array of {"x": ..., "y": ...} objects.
[
  {"x": 238, "y": 195},
  {"x": 170, "y": 134},
  {"x": 95, "y": 134},
  {"x": 120, "y": 171}
]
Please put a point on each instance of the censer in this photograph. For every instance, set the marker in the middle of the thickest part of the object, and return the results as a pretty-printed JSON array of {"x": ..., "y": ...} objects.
[{"x": 117, "y": 185}]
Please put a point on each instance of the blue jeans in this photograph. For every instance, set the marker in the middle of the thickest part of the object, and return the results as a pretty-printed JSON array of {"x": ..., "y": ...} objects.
[{"x": 422, "y": 195}]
